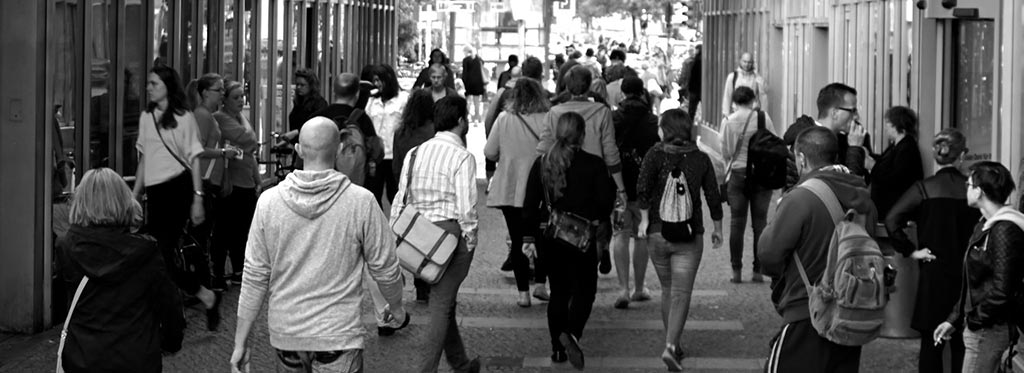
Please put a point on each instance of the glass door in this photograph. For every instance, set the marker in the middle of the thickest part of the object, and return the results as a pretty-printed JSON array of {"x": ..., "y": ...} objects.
[{"x": 973, "y": 86}]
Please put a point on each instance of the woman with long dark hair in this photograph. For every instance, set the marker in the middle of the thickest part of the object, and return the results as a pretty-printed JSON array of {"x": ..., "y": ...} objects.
[
  {"x": 129, "y": 310},
  {"x": 417, "y": 127},
  {"x": 944, "y": 222},
  {"x": 169, "y": 175},
  {"x": 899, "y": 166},
  {"x": 385, "y": 110},
  {"x": 676, "y": 261},
  {"x": 572, "y": 181},
  {"x": 513, "y": 144},
  {"x": 308, "y": 99},
  {"x": 987, "y": 312},
  {"x": 241, "y": 185}
]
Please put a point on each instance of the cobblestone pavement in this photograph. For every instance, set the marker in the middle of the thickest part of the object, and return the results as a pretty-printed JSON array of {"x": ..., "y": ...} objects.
[{"x": 729, "y": 328}]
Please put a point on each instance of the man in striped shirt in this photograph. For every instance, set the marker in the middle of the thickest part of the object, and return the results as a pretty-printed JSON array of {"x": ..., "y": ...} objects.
[{"x": 440, "y": 181}]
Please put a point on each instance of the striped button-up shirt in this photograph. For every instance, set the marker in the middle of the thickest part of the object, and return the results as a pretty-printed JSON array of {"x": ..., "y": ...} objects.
[{"x": 443, "y": 183}]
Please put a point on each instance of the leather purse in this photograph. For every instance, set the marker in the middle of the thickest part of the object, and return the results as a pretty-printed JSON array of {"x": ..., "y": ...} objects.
[
  {"x": 423, "y": 248},
  {"x": 568, "y": 228}
]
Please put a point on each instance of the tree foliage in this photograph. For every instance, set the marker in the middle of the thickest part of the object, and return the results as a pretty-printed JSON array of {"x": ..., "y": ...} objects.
[{"x": 587, "y": 10}]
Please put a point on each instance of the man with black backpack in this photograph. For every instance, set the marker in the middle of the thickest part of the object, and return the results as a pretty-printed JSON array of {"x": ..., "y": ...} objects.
[
  {"x": 795, "y": 252},
  {"x": 755, "y": 166},
  {"x": 356, "y": 155}
]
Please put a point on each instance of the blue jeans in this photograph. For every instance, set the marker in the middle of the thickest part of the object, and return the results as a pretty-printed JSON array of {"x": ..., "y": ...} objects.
[
  {"x": 741, "y": 197},
  {"x": 984, "y": 348},
  {"x": 676, "y": 264},
  {"x": 344, "y": 361},
  {"x": 442, "y": 331}
]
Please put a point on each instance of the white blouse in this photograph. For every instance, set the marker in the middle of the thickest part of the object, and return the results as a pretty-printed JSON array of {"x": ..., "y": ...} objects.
[{"x": 386, "y": 117}]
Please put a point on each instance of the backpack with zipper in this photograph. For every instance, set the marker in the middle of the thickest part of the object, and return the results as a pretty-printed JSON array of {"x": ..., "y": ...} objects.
[
  {"x": 847, "y": 305},
  {"x": 676, "y": 208},
  {"x": 767, "y": 156}
]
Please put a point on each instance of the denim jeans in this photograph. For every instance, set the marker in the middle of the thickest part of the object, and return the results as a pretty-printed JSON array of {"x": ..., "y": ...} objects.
[
  {"x": 442, "y": 331},
  {"x": 741, "y": 197},
  {"x": 676, "y": 264},
  {"x": 344, "y": 361},
  {"x": 984, "y": 348}
]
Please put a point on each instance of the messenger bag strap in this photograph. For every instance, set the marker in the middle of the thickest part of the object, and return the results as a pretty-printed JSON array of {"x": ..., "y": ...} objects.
[
  {"x": 739, "y": 143},
  {"x": 528, "y": 128},
  {"x": 828, "y": 197},
  {"x": 67, "y": 320},
  {"x": 173, "y": 154},
  {"x": 408, "y": 177}
]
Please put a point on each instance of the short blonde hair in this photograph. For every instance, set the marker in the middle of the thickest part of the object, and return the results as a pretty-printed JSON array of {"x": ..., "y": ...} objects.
[{"x": 103, "y": 198}]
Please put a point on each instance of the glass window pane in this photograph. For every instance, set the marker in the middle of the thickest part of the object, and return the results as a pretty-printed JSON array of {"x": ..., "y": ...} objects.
[
  {"x": 161, "y": 32},
  {"x": 65, "y": 53},
  {"x": 973, "y": 86},
  {"x": 134, "y": 81},
  {"x": 229, "y": 40},
  {"x": 185, "y": 49},
  {"x": 101, "y": 49}
]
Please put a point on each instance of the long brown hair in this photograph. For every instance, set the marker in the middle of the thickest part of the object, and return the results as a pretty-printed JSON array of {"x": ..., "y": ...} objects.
[{"x": 569, "y": 132}]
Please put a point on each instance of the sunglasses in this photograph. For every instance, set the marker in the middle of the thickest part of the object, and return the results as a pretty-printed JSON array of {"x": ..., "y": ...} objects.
[{"x": 849, "y": 110}]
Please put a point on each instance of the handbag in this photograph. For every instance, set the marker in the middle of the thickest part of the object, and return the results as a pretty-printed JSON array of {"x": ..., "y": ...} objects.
[
  {"x": 736, "y": 152},
  {"x": 568, "y": 228},
  {"x": 67, "y": 320},
  {"x": 423, "y": 248},
  {"x": 188, "y": 253}
]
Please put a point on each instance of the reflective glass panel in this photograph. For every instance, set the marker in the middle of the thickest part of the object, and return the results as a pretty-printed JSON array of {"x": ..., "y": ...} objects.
[
  {"x": 973, "y": 85},
  {"x": 101, "y": 81},
  {"x": 134, "y": 100}
]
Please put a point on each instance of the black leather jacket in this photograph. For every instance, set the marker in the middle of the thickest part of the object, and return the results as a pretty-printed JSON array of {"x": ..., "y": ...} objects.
[{"x": 992, "y": 270}]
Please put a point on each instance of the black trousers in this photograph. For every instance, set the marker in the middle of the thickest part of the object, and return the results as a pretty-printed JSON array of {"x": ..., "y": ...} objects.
[
  {"x": 232, "y": 229},
  {"x": 169, "y": 206},
  {"x": 798, "y": 348},
  {"x": 520, "y": 262},
  {"x": 930, "y": 359},
  {"x": 573, "y": 283},
  {"x": 383, "y": 182}
]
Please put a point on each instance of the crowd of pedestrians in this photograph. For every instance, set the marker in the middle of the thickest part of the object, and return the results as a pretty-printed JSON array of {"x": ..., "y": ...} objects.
[{"x": 577, "y": 174}]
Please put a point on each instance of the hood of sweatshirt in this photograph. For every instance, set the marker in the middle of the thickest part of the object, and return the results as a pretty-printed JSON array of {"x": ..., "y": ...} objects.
[
  {"x": 311, "y": 193},
  {"x": 850, "y": 189},
  {"x": 588, "y": 109},
  {"x": 108, "y": 253},
  {"x": 1006, "y": 213}
]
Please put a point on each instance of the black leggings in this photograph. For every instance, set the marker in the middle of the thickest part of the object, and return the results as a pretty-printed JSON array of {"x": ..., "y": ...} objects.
[
  {"x": 383, "y": 181},
  {"x": 169, "y": 205},
  {"x": 573, "y": 288},
  {"x": 232, "y": 229},
  {"x": 520, "y": 263}
]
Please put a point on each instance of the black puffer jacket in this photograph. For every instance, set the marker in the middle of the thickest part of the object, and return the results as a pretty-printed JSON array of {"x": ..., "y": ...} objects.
[
  {"x": 993, "y": 269},
  {"x": 128, "y": 312}
]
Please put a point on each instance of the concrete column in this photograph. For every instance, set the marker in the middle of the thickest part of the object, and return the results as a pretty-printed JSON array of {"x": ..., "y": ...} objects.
[{"x": 24, "y": 265}]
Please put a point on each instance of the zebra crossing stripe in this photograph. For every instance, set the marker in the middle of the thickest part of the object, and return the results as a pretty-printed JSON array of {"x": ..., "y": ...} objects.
[
  {"x": 593, "y": 324},
  {"x": 653, "y": 362}
]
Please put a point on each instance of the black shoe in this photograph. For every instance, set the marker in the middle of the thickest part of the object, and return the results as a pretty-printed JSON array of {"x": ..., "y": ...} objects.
[
  {"x": 606, "y": 263},
  {"x": 387, "y": 331},
  {"x": 213, "y": 314},
  {"x": 559, "y": 356},
  {"x": 472, "y": 367},
  {"x": 218, "y": 284},
  {"x": 507, "y": 265},
  {"x": 572, "y": 349},
  {"x": 422, "y": 295}
]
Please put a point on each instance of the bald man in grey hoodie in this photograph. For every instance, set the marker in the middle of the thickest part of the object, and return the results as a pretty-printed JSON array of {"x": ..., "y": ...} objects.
[{"x": 310, "y": 239}]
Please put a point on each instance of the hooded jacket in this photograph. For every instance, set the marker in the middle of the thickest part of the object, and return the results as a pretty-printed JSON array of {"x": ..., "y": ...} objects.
[
  {"x": 992, "y": 272},
  {"x": 129, "y": 309},
  {"x": 804, "y": 227},
  {"x": 599, "y": 139},
  {"x": 310, "y": 240},
  {"x": 636, "y": 131}
]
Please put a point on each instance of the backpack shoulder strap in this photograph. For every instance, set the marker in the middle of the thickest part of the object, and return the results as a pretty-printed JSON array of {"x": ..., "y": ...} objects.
[
  {"x": 67, "y": 320},
  {"x": 835, "y": 209},
  {"x": 760, "y": 119},
  {"x": 353, "y": 117}
]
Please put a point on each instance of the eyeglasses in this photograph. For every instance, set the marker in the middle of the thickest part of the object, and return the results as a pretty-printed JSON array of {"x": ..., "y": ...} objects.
[
  {"x": 969, "y": 184},
  {"x": 849, "y": 110}
]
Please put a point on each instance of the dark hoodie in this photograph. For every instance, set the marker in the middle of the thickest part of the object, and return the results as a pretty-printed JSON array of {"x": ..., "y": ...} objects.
[
  {"x": 636, "y": 131},
  {"x": 129, "y": 310},
  {"x": 806, "y": 230}
]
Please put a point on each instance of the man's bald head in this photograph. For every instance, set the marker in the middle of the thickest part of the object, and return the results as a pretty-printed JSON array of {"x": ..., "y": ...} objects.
[
  {"x": 346, "y": 86},
  {"x": 818, "y": 145},
  {"x": 318, "y": 142},
  {"x": 747, "y": 62}
]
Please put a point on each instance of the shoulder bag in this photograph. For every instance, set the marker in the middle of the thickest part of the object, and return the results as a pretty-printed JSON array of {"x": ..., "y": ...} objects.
[
  {"x": 736, "y": 152},
  {"x": 568, "y": 228},
  {"x": 67, "y": 320},
  {"x": 528, "y": 128},
  {"x": 423, "y": 248}
]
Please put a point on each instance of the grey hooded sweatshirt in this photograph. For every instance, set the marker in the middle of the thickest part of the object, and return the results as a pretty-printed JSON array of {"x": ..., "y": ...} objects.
[{"x": 311, "y": 238}]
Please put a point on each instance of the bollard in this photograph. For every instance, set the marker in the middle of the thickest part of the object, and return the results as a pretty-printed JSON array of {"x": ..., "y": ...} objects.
[{"x": 900, "y": 309}]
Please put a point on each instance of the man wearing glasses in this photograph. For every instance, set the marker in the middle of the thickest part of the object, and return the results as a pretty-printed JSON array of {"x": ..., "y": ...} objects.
[{"x": 837, "y": 110}]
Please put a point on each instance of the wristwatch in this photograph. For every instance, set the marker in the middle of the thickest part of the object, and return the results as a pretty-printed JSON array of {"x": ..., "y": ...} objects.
[{"x": 199, "y": 193}]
